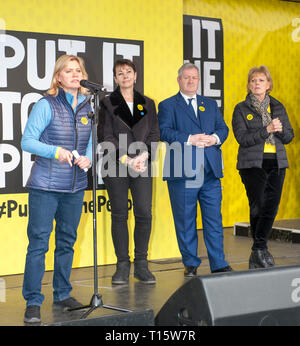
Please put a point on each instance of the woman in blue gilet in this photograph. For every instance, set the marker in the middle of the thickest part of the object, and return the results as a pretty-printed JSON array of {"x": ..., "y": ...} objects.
[{"x": 57, "y": 125}]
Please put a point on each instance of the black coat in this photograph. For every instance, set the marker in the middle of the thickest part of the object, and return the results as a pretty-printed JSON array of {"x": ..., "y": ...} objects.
[
  {"x": 115, "y": 118},
  {"x": 251, "y": 134}
]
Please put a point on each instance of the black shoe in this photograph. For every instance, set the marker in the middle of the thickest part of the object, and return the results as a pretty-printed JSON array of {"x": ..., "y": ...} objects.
[
  {"x": 121, "y": 276},
  {"x": 269, "y": 258},
  {"x": 142, "y": 273},
  {"x": 258, "y": 259},
  {"x": 69, "y": 303},
  {"x": 223, "y": 270},
  {"x": 32, "y": 314},
  {"x": 190, "y": 271}
]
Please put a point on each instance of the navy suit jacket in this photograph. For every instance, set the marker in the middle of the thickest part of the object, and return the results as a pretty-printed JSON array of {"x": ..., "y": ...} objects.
[{"x": 177, "y": 121}]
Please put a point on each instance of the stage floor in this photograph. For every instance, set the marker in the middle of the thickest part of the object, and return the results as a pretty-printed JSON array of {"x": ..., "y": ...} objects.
[{"x": 135, "y": 296}]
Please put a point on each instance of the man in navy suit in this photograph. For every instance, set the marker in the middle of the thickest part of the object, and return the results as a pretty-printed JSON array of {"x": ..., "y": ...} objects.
[{"x": 194, "y": 125}]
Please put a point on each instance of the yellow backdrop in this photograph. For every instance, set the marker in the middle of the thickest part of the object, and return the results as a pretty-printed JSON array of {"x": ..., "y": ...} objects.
[
  {"x": 255, "y": 32},
  {"x": 157, "y": 23}
]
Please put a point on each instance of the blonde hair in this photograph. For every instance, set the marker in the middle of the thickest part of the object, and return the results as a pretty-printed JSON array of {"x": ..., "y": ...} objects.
[
  {"x": 60, "y": 64},
  {"x": 261, "y": 69}
]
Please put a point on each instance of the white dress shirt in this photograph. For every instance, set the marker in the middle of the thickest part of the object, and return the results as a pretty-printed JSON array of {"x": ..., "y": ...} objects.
[{"x": 130, "y": 106}]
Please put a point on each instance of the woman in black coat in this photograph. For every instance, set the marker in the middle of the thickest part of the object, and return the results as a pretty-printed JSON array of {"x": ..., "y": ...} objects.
[
  {"x": 128, "y": 133},
  {"x": 262, "y": 128}
]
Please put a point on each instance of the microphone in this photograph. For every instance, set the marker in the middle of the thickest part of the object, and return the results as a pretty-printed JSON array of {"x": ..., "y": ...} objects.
[
  {"x": 76, "y": 155},
  {"x": 92, "y": 86}
]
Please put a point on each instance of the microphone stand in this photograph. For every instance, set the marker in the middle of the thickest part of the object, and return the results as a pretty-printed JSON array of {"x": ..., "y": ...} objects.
[{"x": 96, "y": 300}]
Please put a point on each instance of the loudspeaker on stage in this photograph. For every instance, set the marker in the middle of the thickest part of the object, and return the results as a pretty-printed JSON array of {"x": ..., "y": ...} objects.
[{"x": 257, "y": 297}]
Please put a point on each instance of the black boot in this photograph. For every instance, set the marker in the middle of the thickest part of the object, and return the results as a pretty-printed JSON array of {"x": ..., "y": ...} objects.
[
  {"x": 258, "y": 259},
  {"x": 269, "y": 258},
  {"x": 121, "y": 275},
  {"x": 142, "y": 273}
]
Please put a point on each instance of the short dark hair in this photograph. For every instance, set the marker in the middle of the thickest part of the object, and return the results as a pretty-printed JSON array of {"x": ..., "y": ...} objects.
[{"x": 122, "y": 62}]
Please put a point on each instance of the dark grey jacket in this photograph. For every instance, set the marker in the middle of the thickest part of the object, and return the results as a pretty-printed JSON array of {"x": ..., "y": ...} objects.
[
  {"x": 115, "y": 119},
  {"x": 251, "y": 134}
]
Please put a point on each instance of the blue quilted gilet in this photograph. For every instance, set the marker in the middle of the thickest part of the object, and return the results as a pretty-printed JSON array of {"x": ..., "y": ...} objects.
[{"x": 70, "y": 131}]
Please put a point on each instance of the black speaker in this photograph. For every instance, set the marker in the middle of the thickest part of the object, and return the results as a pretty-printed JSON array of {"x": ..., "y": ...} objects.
[
  {"x": 134, "y": 318},
  {"x": 246, "y": 298}
]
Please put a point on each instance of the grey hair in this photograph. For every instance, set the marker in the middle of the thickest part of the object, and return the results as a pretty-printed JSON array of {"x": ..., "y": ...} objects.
[{"x": 186, "y": 66}]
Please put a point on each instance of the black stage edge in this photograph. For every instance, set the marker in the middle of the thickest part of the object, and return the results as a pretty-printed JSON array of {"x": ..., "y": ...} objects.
[
  {"x": 134, "y": 318},
  {"x": 283, "y": 230}
]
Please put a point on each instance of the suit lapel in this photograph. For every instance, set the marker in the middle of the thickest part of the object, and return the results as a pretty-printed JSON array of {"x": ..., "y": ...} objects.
[
  {"x": 203, "y": 114},
  {"x": 183, "y": 105},
  {"x": 121, "y": 109},
  {"x": 139, "y": 109}
]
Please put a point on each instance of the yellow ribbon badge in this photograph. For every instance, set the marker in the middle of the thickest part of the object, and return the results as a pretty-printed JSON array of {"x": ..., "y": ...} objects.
[
  {"x": 249, "y": 116},
  {"x": 140, "y": 107},
  {"x": 201, "y": 108},
  {"x": 84, "y": 121}
]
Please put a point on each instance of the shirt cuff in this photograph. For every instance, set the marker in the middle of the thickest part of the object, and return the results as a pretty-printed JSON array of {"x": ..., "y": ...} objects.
[{"x": 217, "y": 138}]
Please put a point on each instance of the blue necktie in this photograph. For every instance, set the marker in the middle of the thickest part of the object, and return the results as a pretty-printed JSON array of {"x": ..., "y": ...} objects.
[{"x": 191, "y": 106}]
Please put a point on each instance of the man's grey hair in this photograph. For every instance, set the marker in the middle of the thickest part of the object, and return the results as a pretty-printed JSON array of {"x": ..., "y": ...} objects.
[{"x": 186, "y": 66}]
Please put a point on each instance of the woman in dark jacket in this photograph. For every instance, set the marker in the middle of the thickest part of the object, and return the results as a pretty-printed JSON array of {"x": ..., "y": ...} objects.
[
  {"x": 262, "y": 128},
  {"x": 128, "y": 132}
]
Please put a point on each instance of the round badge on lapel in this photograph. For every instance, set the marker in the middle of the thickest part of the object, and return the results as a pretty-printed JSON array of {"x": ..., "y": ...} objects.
[
  {"x": 141, "y": 109},
  {"x": 249, "y": 116},
  {"x": 201, "y": 108},
  {"x": 84, "y": 121}
]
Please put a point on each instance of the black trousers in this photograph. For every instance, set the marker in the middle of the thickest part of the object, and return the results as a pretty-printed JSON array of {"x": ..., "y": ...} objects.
[
  {"x": 264, "y": 188},
  {"x": 141, "y": 191}
]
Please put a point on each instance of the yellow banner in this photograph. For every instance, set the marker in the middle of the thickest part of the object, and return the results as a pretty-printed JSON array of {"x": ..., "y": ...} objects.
[
  {"x": 254, "y": 32},
  {"x": 257, "y": 32}
]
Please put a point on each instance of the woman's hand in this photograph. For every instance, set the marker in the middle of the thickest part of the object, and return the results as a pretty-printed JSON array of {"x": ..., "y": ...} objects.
[
  {"x": 137, "y": 163},
  {"x": 275, "y": 126},
  {"x": 65, "y": 156},
  {"x": 83, "y": 162},
  {"x": 140, "y": 162}
]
